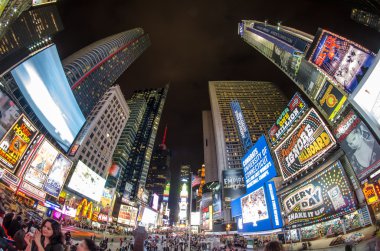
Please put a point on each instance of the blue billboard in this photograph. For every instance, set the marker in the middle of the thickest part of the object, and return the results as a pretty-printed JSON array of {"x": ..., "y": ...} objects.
[
  {"x": 258, "y": 165},
  {"x": 43, "y": 83},
  {"x": 258, "y": 210},
  {"x": 241, "y": 125}
]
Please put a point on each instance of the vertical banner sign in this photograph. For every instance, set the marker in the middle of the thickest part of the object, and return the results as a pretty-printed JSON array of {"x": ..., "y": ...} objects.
[
  {"x": 15, "y": 142},
  {"x": 233, "y": 183},
  {"x": 217, "y": 202},
  {"x": 343, "y": 60},
  {"x": 307, "y": 143},
  {"x": 293, "y": 110},
  {"x": 360, "y": 146},
  {"x": 326, "y": 195},
  {"x": 258, "y": 165},
  {"x": 241, "y": 125},
  {"x": 331, "y": 99}
]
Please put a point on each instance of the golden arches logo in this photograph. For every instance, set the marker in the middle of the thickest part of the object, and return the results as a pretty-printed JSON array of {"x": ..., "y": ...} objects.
[{"x": 84, "y": 209}]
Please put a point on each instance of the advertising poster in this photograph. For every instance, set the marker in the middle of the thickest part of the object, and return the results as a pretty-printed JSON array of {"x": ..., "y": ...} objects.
[
  {"x": 326, "y": 195},
  {"x": 293, "y": 111},
  {"x": 127, "y": 215},
  {"x": 331, "y": 99},
  {"x": 360, "y": 146},
  {"x": 9, "y": 112},
  {"x": 217, "y": 203},
  {"x": 309, "y": 78},
  {"x": 345, "y": 61},
  {"x": 241, "y": 125},
  {"x": 233, "y": 183},
  {"x": 368, "y": 96},
  {"x": 57, "y": 176},
  {"x": 15, "y": 142},
  {"x": 206, "y": 211},
  {"x": 286, "y": 61},
  {"x": 371, "y": 192},
  {"x": 254, "y": 207},
  {"x": 308, "y": 142},
  {"x": 258, "y": 165}
]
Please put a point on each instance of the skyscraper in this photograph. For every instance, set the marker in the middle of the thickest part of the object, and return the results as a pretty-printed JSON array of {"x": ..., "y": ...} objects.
[
  {"x": 159, "y": 170},
  {"x": 10, "y": 11},
  {"x": 93, "y": 69},
  {"x": 97, "y": 140},
  {"x": 366, "y": 18},
  {"x": 261, "y": 104},
  {"x": 209, "y": 148},
  {"x": 136, "y": 170}
]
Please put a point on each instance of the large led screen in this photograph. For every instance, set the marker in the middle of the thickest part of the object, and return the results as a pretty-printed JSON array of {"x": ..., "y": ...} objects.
[
  {"x": 345, "y": 61},
  {"x": 286, "y": 61},
  {"x": 233, "y": 183},
  {"x": 43, "y": 83},
  {"x": 360, "y": 146},
  {"x": 149, "y": 216},
  {"x": 9, "y": 113},
  {"x": 308, "y": 142},
  {"x": 331, "y": 100},
  {"x": 292, "y": 111},
  {"x": 368, "y": 96},
  {"x": 15, "y": 142},
  {"x": 57, "y": 176},
  {"x": 309, "y": 78},
  {"x": 87, "y": 182},
  {"x": 326, "y": 195},
  {"x": 127, "y": 215},
  {"x": 258, "y": 165}
]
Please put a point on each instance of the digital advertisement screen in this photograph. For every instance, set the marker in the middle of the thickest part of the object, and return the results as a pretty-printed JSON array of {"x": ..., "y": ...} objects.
[
  {"x": 360, "y": 146},
  {"x": 326, "y": 195},
  {"x": 9, "y": 113},
  {"x": 308, "y": 142},
  {"x": 57, "y": 176},
  {"x": 195, "y": 218},
  {"x": 206, "y": 211},
  {"x": 258, "y": 165},
  {"x": 345, "y": 61},
  {"x": 331, "y": 99},
  {"x": 368, "y": 96},
  {"x": 286, "y": 61},
  {"x": 155, "y": 201},
  {"x": 87, "y": 182},
  {"x": 233, "y": 183},
  {"x": 15, "y": 142},
  {"x": 43, "y": 83},
  {"x": 241, "y": 125},
  {"x": 149, "y": 217},
  {"x": 217, "y": 203},
  {"x": 127, "y": 215},
  {"x": 259, "y": 210},
  {"x": 293, "y": 111},
  {"x": 309, "y": 78}
]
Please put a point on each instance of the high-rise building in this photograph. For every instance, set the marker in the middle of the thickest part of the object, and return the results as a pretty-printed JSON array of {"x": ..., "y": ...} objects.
[
  {"x": 159, "y": 170},
  {"x": 366, "y": 18},
  {"x": 10, "y": 11},
  {"x": 93, "y": 69},
  {"x": 97, "y": 140},
  {"x": 136, "y": 170},
  {"x": 30, "y": 32},
  {"x": 261, "y": 104},
  {"x": 209, "y": 148}
]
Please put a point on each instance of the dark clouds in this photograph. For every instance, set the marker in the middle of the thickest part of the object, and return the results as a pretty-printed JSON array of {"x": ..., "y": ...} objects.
[{"x": 194, "y": 42}]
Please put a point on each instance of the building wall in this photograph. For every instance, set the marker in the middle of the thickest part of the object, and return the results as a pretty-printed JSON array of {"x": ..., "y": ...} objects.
[
  {"x": 209, "y": 147},
  {"x": 102, "y": 131},
  {"x": 261, "y": 104}
]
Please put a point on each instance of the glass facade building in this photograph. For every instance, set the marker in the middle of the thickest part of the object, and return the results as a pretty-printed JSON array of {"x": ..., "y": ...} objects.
[{"x": 95, "y": 68}]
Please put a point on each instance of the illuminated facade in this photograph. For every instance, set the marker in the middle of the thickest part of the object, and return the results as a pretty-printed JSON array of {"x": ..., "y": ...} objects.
[
  {"x": 10, "y": 11},
  {"x": 95, "y": 68},
  {"x": 261, "y": 103},
  {"x": 97, "y": 140},
  {"x": 139, "y": 158}
]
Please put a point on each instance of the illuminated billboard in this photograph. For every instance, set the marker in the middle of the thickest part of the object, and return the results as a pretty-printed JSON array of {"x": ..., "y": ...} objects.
[
  {"x": 57, "y": 176},
  {"x": 87, "y": 182},
  {"x": 292, "y": 111},
  {"x": 286, "y": 61},
  {"x": 241, "y": 125},
  {"x": 127, "y": 215},
  {"x": 367, "y": 97},
  {"x": 9, "y": 113},
  {"x": 206, "y": 211},
  {"x": 360, "y": 146},
  {"x": 326, "y": 195},
  {"x": 309, "y": 78},
  {"x": 44, "y": 85},
  {"x": 155, "y": 201},
  {"x": 195, "y": 218},
  {"x": 15, "y": 142},
  {"x": 41, "y": 2},
  {"x": 307, "y": 143},
  {"x": 217, "y": 202},
  {"x": 343, "y": 60},
  {"x": 233, "y": 183},
  {"x": 331, "y": 100},
  {"x": 258, "y": 165},
  {"x": 149, "y": 217}
]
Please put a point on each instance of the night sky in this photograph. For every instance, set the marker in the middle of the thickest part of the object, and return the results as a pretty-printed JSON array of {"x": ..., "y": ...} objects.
[{"x": 194, "y": 42}]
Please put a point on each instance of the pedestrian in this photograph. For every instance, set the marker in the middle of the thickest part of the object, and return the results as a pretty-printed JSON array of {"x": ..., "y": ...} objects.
[
  {"x": 49, "y": 239},
  {"x": 15, "y": 225},
  {"x": 121, "y": 242},
  {"x": 19, "y": 236},
  {"x": 274, "y": 246},
  {"x": 86, "y": 245}
]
